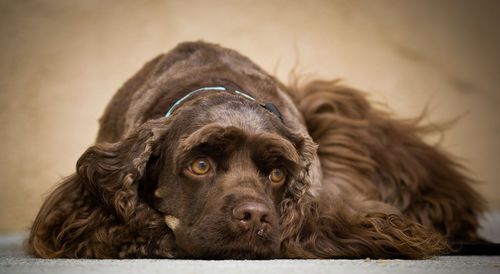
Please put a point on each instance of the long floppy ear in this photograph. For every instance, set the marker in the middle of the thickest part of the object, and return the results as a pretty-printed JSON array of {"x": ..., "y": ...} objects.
[
  {"x": 96, "y": 212},
  {"x": 384, "y": 191},
  {"x": 111, "y": 172},
  {"x": 298, "y": 199},
  {"x": 389, "y": 159}
]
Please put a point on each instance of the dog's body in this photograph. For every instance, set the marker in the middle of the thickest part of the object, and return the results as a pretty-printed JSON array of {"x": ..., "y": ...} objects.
[{"x": 225, "y": 177}]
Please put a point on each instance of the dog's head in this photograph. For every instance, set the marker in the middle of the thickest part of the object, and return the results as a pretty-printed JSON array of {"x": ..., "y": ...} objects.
[{"x": 223, "y": 174}]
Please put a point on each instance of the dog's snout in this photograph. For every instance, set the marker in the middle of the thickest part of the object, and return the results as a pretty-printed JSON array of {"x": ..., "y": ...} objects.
[{"x": 252, "y": 214}]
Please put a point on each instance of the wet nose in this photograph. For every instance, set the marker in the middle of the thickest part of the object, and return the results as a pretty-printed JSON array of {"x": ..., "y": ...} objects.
[{"x": 252, "y": 214}]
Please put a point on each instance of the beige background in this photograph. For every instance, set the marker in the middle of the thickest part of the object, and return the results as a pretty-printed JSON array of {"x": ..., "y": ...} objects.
[{"x": 61, "y": 61}]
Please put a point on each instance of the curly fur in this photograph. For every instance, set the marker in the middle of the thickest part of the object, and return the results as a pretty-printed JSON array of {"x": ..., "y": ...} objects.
[{"x": 363, "y": 184}]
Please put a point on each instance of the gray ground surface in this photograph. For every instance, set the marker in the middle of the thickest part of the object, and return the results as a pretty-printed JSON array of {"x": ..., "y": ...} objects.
[{"x": 13, "y": 260}]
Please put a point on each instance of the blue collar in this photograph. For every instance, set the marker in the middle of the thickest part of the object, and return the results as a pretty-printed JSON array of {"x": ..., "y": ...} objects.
[{"x": 270, "y": 107}]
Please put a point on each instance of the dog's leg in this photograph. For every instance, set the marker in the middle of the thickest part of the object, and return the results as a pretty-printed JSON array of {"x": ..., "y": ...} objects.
[{"x": 354, "y": 227}]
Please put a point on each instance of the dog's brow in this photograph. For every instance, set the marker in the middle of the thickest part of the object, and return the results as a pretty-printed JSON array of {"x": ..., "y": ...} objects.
[
  {"x": 212, "y": 134},
  {"x": 213, "y": 139},
  {"x": 273, "y": 145}
]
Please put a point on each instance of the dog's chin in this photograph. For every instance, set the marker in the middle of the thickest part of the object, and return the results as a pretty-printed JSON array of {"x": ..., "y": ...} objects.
[{"x": 217, "y": 243}]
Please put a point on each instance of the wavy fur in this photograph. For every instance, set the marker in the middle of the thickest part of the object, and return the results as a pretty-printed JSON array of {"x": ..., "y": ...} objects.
[{"x": 366, "y": 185}]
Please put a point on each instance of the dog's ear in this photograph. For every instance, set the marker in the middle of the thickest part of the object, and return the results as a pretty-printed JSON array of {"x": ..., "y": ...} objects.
[
  {"x": 368, "y": 155},
  {"x": 111, "y": 172},
  {"x": 300, "y": 194},
  {"x": 97, "y": 212},
  {"x": 388, "y": 156}
]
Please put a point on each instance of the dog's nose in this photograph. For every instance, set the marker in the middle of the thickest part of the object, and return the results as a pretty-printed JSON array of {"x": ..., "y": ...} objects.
[{"x": 252, "y": 214}]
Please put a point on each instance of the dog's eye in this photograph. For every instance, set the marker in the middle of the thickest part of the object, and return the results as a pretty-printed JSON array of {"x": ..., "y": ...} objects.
[
  {"x": 200, "y": 166},
  {"x": 277, "y": 175}
]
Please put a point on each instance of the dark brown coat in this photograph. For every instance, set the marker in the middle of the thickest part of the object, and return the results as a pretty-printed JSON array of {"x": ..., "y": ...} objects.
[{"x": 223, "y": 177}]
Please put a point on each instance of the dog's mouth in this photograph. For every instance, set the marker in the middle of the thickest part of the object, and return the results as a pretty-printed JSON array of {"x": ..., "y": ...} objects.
[{"x": 214, "y": 238}]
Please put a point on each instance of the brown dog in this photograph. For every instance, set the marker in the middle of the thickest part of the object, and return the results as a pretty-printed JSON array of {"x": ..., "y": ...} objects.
[{"x": 203, "y": 155}]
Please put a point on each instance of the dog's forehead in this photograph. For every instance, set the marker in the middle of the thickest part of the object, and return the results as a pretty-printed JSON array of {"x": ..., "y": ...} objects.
[
  {"x": 245, "y": 118},
  {"x": 233, "y": 111}
]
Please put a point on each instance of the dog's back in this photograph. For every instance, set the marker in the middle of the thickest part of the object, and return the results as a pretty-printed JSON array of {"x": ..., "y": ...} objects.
[{"x": 151, "y": 92}]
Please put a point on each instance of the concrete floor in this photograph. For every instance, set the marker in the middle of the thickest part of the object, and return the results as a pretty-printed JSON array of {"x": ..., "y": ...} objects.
[{"x": 14, "y": 261}]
